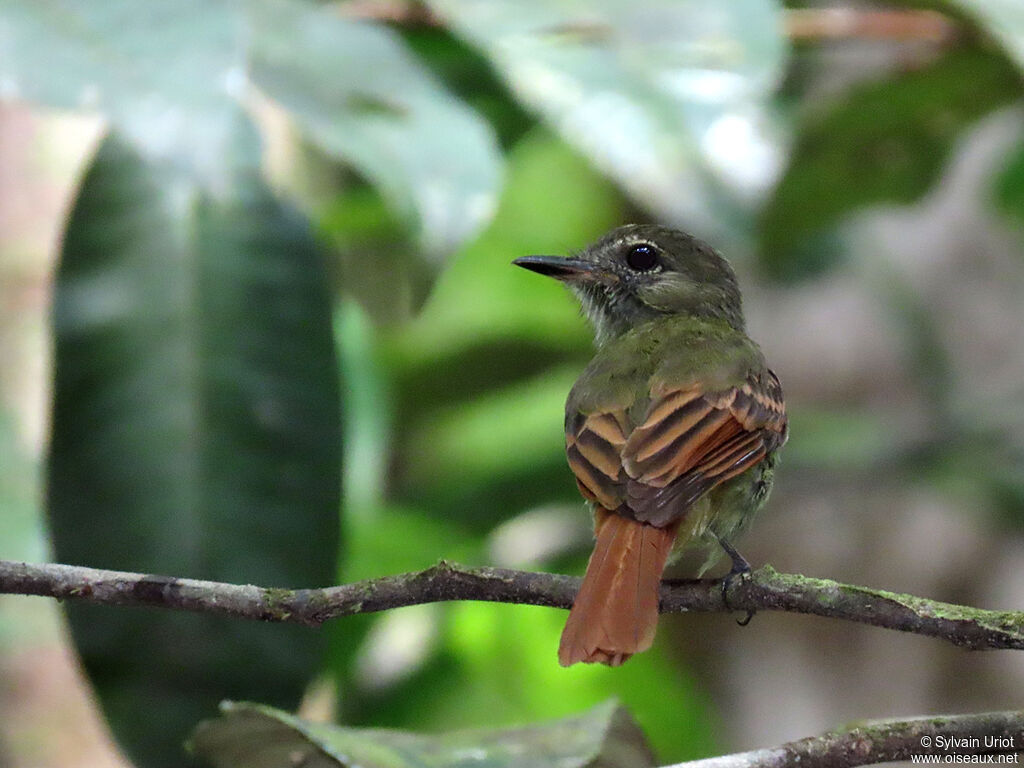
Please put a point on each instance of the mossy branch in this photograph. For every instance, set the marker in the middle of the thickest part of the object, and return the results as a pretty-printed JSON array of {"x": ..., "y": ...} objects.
[
  {"x": 764, "y": 589},
  {"x": 948, "y": 739}
]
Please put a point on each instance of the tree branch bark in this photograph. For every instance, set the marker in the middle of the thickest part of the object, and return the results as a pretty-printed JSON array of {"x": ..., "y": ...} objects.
[
  {"x": 764, "y": 589},
  {"x": 898, "y": 24},
  {"x": 950, "y": 738}
]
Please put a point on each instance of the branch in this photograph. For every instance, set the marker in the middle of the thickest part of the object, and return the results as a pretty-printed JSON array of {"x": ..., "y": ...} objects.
[
  {"x": 898, "y": 24},
  {"x": 990, "y": 733},
  {"x": 764, "y": 589}
]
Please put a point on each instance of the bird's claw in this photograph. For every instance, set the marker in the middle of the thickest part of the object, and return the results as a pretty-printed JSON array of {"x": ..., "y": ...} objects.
[{"x": 741, "y": 568}]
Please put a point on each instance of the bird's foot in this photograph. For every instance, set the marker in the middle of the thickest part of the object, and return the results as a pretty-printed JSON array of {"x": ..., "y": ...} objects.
[{"x": 740, "y": 568}]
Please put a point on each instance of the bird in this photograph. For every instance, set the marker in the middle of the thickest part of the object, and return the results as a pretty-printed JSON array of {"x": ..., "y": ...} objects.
[{"x": 672, "y": 430}]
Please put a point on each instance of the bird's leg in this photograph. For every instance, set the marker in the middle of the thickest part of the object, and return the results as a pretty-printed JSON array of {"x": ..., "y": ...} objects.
[
  {"x": 739, "y": 562},
  {"x": 741, "y": 568}
]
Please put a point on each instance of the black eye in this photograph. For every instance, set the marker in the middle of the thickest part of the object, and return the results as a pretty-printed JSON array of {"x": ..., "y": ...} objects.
[{"x": 642, "y": 258}]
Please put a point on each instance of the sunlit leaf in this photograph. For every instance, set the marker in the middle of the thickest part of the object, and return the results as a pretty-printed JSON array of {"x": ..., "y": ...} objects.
[
  {"x": 169, "y": 74},
  {"x": 163, "y": 71},
  {"x": 667, "y": 97},
  {"x": 354, "y": 90},
  {"x": 195, "y": 431},
  {"x": 489, "y": 639},
  {"x": 255, "y": 736},
  {"x": 470, "y": 76}
]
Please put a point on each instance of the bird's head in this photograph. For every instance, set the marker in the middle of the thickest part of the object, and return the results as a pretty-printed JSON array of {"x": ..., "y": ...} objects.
[{"x": 640, "y": 272}]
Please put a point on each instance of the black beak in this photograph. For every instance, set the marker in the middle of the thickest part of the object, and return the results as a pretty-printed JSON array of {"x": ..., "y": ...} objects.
[{"x": 560, "y": 268}]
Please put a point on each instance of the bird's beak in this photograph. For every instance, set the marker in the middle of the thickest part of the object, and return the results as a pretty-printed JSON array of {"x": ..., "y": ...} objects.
[{"x": 564, "y": 269}]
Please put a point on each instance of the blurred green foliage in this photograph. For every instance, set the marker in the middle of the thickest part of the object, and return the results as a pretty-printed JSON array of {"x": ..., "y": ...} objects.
[
  {"x": 195, "y": 429},
  {"x": 203, "y": 336},
  {"x": 474, "y": 427},
  {"x": 882, "y": 142},
  {"x": 21, "y": 533},
  {"x": 1010, "y": 187},
  {"x": 255, "y": 736}
]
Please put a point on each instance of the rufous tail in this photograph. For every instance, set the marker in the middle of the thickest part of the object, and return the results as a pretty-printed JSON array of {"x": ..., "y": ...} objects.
[{"x": 616, "y": 610}]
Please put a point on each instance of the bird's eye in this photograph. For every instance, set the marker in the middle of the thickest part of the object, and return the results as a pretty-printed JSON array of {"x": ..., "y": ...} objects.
[{"x": 642, "y": 258}]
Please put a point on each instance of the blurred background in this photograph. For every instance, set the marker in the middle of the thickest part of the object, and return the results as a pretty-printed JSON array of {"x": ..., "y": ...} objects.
[{"x": 258, "y": 324}]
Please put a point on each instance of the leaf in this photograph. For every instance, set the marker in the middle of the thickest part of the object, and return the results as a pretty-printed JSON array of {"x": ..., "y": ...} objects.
[
  {"x": 354, "y": 91},
  {"x": 491, "y": 327},
  {"x": 668, "y": 98},
  {"x": 195, "y": 431},
  {"x": 488, "y": 639},
  {"x": 1004, "y": 19},
  {"x": 255, "y": 736},
  {"x": 170, "y": 75},
  {"x": 470, "y": 76},
  {"x": 885, "y": 142},
  {"x": 163, "y": 72},
  {"x": 554, "y": 202},
  {"x": 1009, "y": 186},
  {"x": 473, "y": 438}
]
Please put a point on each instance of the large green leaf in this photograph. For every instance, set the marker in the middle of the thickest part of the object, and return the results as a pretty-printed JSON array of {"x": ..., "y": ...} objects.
[
  {"x": 885, "y": 142},
  {"x": 355, "y": 91},
  {"x": 163, "y": 71},
  {"x": 668, "y": 97},
  {"x": 488, "y": 639},
  {"x": 195, "y": 431},
  {"x": 1004, "y": 19},
  {"x": 255, "y": 736},
  {"x": 169, "y": 75}
]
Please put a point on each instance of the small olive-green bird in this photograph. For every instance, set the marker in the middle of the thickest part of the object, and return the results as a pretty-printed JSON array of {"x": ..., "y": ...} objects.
[{"x": 672, "y": 430}]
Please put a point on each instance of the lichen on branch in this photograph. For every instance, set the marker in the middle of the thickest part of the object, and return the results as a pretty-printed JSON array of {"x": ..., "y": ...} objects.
[{"x": 764, "y": 590}]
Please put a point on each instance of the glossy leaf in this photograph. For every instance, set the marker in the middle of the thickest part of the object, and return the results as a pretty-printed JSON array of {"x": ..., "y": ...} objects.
[
  {"x": 254, "y": 736},
  {"x": 163, "y": 71},
  {"x": 354, "y": 91},
  {"x": 195, "y": 432},
  {"x": 669, "y": 98},
  {"x": 169, "y": 74}
]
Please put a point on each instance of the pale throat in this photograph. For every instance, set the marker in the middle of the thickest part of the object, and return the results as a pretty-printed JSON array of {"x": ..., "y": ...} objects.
[{"x": 613, "y": 313}]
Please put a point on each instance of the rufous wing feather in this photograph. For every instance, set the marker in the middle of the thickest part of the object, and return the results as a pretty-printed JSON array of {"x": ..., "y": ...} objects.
[
  {"x": 642, "y": 482},
  {"x": 616, "y": 610},
  {"x": 691, "y": 441}
]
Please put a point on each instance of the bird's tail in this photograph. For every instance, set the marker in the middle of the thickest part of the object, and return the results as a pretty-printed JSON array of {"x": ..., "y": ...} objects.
[{"x": 616, "y": 610}]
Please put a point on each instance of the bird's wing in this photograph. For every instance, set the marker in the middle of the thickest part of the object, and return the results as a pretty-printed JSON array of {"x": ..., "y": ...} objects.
[
  {"x": 689, "y": 441},
  {"x": 593, "y": 444}
]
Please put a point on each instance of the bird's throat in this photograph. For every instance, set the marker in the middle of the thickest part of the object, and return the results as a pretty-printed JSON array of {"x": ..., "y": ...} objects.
[{"x": 611, "y": 312}]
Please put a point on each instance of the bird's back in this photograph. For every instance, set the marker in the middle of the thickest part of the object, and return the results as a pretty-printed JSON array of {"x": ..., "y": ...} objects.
[{"x": 681, "y": 350}]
